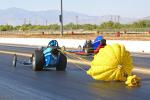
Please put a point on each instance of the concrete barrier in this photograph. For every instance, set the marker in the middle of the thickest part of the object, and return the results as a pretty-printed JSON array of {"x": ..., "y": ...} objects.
[{"x": 132, "y": 46}]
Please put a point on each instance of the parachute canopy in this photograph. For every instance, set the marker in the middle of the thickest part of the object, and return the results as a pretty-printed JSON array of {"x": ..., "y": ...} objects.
[{"x": 111, "y": 63}]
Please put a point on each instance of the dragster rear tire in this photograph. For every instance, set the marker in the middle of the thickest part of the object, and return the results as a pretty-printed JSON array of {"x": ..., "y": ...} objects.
[
  {"x": 62, "y": 63},
  {"x": 38, "y": 60}
]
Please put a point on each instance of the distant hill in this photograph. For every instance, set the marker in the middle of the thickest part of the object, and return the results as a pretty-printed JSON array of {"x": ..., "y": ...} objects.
[
  {"x": 147, "y": 18},
  {"x": 17, "y": 16}
]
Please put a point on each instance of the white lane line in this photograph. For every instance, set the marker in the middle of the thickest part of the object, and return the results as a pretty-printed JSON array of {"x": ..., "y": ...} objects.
[
  {"x": 17, "y": 53},
  {"x": 142, "y": 70}
]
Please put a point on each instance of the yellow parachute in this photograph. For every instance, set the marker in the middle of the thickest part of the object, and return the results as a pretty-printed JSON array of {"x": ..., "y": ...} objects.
[
  {"x": 133, "y": 81},
  {"x": 112, "y": 63}
]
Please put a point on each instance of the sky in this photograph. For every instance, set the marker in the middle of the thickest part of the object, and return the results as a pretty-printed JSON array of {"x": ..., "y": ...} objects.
[{"x": 125, "y": 8}]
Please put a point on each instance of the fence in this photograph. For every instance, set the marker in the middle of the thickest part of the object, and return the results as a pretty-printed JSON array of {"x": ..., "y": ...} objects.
[{"x": 144, "y": 32}]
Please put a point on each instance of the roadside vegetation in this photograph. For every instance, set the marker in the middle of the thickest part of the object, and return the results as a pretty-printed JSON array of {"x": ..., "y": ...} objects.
[{"x": 71, "y": 26}]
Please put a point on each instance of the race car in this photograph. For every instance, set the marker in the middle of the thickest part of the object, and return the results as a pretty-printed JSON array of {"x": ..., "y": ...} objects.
[
  {"x": 91, "y": 47},
  {"x": 49, "y": 57}
]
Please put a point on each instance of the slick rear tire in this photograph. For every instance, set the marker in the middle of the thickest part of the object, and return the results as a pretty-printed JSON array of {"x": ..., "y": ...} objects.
[
  {"x": 37, "y": 60},
  {"x": 62, "y": 63}
]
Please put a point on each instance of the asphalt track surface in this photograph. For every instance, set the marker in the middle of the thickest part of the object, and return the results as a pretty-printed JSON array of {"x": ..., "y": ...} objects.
[{"x": 21, "y": 83}]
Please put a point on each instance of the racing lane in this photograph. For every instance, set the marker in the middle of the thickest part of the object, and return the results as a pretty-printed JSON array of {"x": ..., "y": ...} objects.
[
  {"x": 23, "y": 83},
  {"x": 138, "y": 59}
]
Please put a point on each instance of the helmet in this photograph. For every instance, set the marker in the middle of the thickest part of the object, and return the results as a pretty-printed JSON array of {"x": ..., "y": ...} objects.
[{"x": 53, "y": 43}]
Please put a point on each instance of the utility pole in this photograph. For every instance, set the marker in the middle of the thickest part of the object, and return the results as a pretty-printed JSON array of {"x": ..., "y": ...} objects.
[
  {"x": 25, "y": 21},
  {"x": 118, "y": 19},
  {"x": 46, "y": 22},
  {"x": 29, "y": 21},
  {"x": 77, "y": 22},
  {"x": 61, "y": 18}
]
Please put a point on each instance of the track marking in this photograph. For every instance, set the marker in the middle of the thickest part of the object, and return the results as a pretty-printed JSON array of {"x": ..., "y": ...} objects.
[
  {"x": 142, "y": 70},
  {"x": 78, "y": 66},
  {"x": 17, "y": 53},
  {"x": 78, "y": 62},
  {"x": 82, "y": 60}
]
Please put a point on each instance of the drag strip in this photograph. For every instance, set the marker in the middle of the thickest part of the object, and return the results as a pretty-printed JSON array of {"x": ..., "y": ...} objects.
[
  {"x": 74, "y": 84},
  {"x": 17, "y": 48}
]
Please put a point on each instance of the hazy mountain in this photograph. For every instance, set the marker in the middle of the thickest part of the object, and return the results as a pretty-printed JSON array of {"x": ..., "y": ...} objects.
[
  {"x": 147, "y": 18},
  {"x": 17, "y": 16}
]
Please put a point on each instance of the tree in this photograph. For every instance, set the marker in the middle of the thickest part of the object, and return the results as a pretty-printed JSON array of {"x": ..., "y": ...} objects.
[
  {"x": 70, "y": 26},
  {"x": 89, "y": 27},
  {"x": 6, "y": 27}
]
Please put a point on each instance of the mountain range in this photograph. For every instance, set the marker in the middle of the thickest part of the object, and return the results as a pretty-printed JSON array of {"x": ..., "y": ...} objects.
[{"x": 17, "y": 16}]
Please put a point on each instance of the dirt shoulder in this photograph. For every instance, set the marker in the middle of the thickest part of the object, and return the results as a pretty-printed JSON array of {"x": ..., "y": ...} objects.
[{"x": 141, "y": 37}]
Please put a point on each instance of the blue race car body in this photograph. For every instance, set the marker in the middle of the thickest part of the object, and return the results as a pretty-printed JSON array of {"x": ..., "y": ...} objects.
[
  {"x": 96, "y": 42},
  {"x": 50, "y": 60},
  {"x": 48, "y": 57}
]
